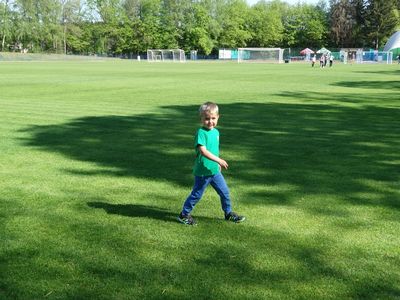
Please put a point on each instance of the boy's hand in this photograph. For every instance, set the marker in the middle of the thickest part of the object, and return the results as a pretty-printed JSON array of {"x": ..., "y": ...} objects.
[{"x": 223, "y": 164}]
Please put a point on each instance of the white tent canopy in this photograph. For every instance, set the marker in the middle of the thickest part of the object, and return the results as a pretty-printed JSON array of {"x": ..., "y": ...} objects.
[
  {"x": 393, "y": 42},
  {"x": 324, "y": 51}
]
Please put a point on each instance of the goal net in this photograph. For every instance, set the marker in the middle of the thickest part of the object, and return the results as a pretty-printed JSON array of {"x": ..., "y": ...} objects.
[
  {"x": 269, "y": 55},
  {"x": 176, "y": 55}
]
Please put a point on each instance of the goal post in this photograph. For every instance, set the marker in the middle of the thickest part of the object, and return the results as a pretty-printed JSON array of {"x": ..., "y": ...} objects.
[
  {"x": 268, "y": 55},
  {"x": 174, "y": 55}
]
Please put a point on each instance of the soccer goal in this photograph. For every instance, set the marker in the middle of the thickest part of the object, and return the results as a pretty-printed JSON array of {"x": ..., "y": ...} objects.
[
  {"x": 269, "y": 55},
  {"x": 175, "y": 55}
]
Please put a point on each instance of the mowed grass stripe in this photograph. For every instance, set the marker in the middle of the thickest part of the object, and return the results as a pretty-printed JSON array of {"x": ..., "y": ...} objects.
[{"x": 64, "y": 109}]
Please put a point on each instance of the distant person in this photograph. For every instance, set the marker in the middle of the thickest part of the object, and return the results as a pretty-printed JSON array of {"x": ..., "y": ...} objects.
[
  {"x": 398, "y": 59},
  {"x": 322, "y": 61},
  {"x": 331, "y": 59},
  {"x": 313, "y": 60},
  {"x": 207, "y": 167}
]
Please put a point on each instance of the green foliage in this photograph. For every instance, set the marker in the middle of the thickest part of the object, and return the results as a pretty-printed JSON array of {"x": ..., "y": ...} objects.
[
  {"x": 232, "y": 18},
  {"x": 196, "y": 31},
  {"x": 266, "y": 25},
  {"x": 305, "y": 26},
  {"x": 5, "y": 24},
  {"x": 344, "y": 25},
  {"x": 77, "y": 41},
  {"x": 150, "y": 29},
  {"x": 381, "y": 20},
  {"x": 356, "y": 23}
]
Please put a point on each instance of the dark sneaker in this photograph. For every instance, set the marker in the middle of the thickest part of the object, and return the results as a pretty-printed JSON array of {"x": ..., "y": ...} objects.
[
  {"x": 234, "y": 217},
  {"x": 188, "y": 220}
]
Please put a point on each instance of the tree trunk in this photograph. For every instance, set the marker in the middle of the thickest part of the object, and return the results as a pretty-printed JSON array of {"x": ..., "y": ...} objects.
[
  {"x": 5, "y": 25},
  {"x": 65, "y": 38}
]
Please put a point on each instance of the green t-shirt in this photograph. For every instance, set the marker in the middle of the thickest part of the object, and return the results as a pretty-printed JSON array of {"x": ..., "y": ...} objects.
[{"x": 210, "y": 139}]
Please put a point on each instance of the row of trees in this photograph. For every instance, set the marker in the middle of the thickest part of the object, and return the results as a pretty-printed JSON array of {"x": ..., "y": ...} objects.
[{"x": 116, "y": 27}]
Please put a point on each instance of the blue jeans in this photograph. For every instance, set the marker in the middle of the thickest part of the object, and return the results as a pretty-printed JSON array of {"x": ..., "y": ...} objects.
[{"x": 217, "y": 181}]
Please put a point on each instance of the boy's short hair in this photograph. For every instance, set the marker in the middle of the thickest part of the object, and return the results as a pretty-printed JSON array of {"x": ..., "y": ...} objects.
[{"x": 208, "y": 108}]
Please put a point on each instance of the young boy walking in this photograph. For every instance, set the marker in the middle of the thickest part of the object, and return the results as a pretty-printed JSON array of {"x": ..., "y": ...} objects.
[{"x": 207, "y": 167}]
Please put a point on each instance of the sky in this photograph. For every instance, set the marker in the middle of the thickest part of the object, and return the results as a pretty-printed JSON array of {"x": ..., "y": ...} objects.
[{"x": 251, "y": 2}]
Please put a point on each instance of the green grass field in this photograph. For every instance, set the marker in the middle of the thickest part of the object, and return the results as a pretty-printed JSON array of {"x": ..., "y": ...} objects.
[{"x": 95, "y": 163}]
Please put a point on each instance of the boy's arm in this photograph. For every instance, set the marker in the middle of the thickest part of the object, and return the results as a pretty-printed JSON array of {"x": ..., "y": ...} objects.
[{"x": 203, "y": 150}]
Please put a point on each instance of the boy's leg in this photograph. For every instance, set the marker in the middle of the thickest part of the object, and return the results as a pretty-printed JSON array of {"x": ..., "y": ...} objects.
[
  {"x": 219, "y": 184},
  {"x": 200, "y": 184}
]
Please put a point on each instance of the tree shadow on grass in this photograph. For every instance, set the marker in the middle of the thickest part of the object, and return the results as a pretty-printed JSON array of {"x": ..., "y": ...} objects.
[
  {"x": 384, "y": 84},
  {"x": 140, "y": 211},
  {"x": 381, "y": 72},
  {"x": 308, "y": 148},
  {"x": 145, "y": 146},
  {"x": 135, "y": 211},
  {"x": 381, "y": 83}
]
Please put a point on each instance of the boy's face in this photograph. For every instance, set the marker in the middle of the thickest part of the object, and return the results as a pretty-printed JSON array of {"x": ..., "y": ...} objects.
[{"x": 209, "y": 120}]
